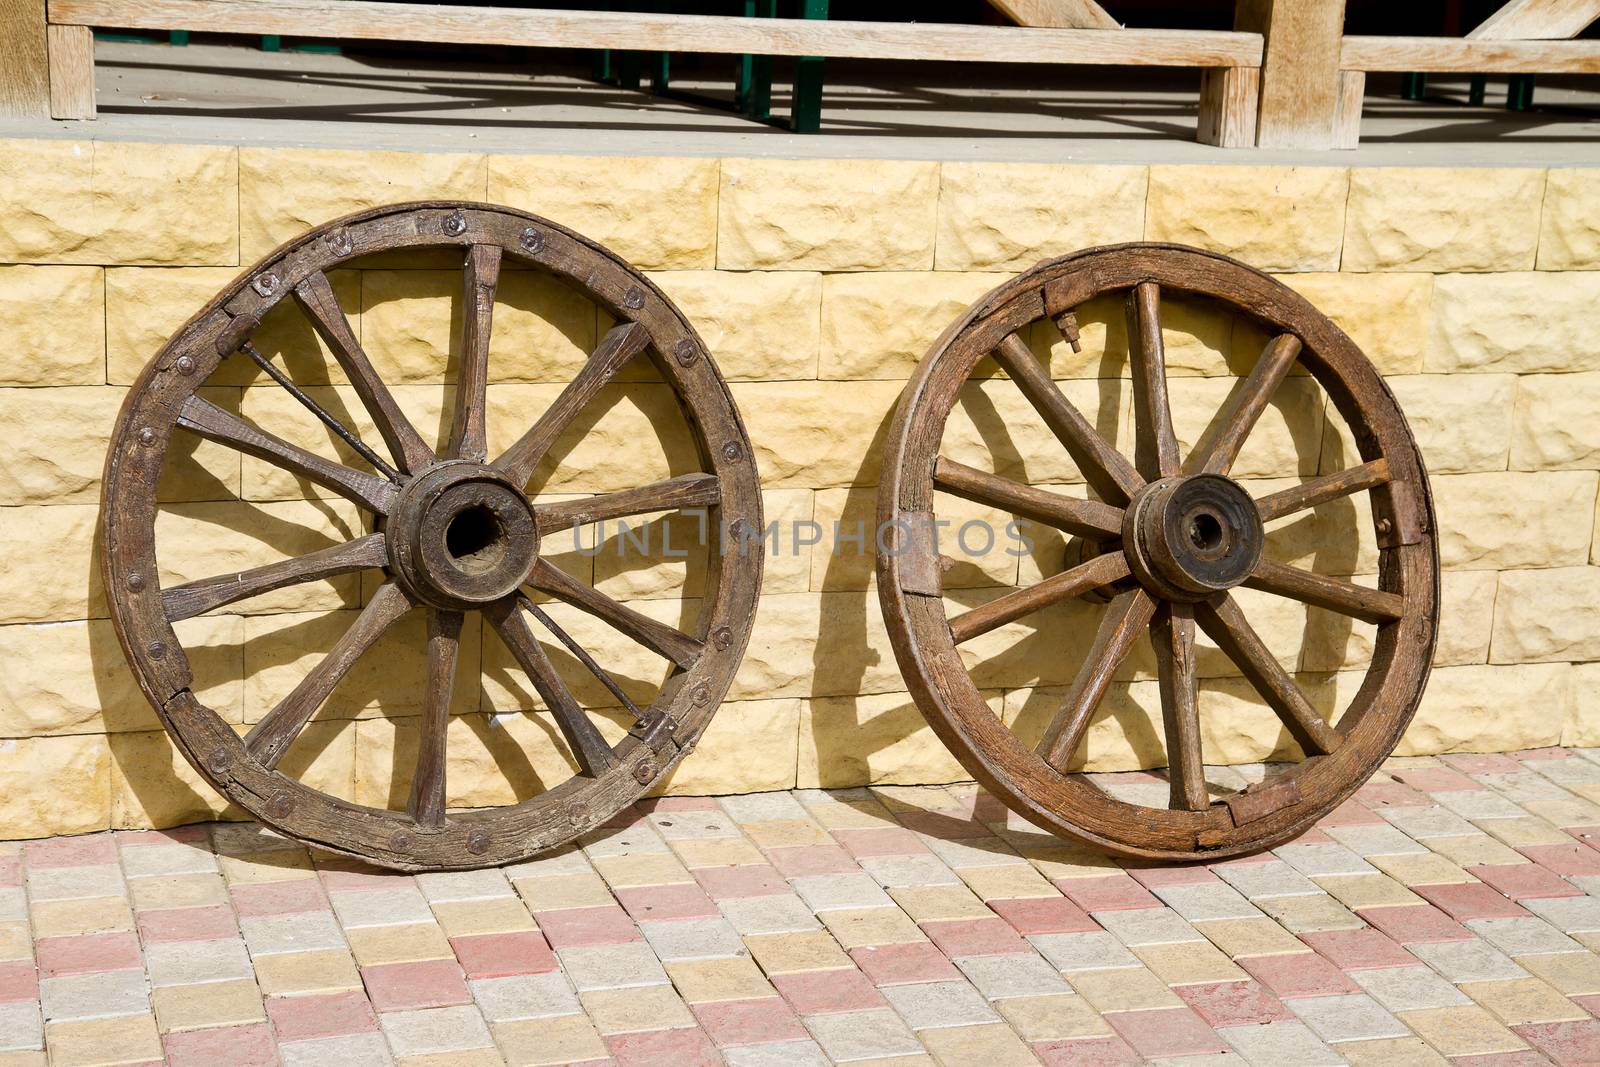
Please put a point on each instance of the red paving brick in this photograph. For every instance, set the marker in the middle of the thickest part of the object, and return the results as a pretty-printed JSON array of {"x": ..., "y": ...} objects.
[
  {"x": 1391, "y": 795},
  {"x": 828, "y": 992},
  {"x": 1350, "y": 813},
  {"x": 943, "y": 826},
  {"x": 1568, "y": 1044},
  {"x": 1177, "y": 874},
  {"x": 324, "y": 1015},
  {"x": 1540, "y": 753},
  {"x": 1357, "y": 950},
  {"x": 1470, "y": 900},
  {"x": 1588, "y": 835},
  {"x": 1299, "y": 974},
  {"x": 1412, "y": 924},
  {"x": 10, "y": 871},
  {"x": 87, "y": 954},
  {"x": 732, "y": 883},
  {"x": 975, "y": 937},
  {"x": 578, "y": 927},
  {"x": 293, "y": 895},
  {"x": 804, "y": 860},
  {"x": 18, "y": 981},
  {"x": 1436, "y": 779},
  {"x": 659, "y": 902},
  {"x": 1044, "y": 915},
  {"x": 1589, "y": 1003},
  {"x": 686, "y": 1047},
  {"x": 94, "y": 850},
  {"x": 1163, "y": 1032},
  {"x": 1569, "y": 861},
  {"x": 1233, "y": 1003},
  {"x": 413, "y": 986},
  {"x": 1086, "y": 1052},
  {"x": 1525, "y": 881},
  {"x": 503, "y": 955},
  {"x": 1116, "y": 893},
  {"x": 234, "y": 1046},
  {"x": 749, "y": 1022},
  {"x": 880, "y": 841},
  {"x": 210, "y": 923},
  {"x": 356, "y": 878},
  {"x": 901, "y": 964},
  {"x": 177, "y": 835},
  {"x": 1482, "y": 763}
]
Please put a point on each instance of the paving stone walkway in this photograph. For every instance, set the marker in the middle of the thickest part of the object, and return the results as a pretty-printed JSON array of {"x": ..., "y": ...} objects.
[{"x": 1449, "y": 913}]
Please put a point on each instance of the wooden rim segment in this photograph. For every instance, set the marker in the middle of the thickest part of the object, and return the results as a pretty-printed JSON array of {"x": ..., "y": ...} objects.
[
  {"x": 453, "y": 533},
  {"x": 1170, "y": 535}
]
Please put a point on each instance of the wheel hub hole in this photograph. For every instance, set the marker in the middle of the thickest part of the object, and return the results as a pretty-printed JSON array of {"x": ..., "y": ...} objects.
[
  {"x": 475, "y": 539},
  {"x": 1205, "y": 532}
]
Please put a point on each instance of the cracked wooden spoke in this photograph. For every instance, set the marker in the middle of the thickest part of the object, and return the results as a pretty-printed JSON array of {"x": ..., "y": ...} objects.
[
  {"x": 1155, "y": 442},
  {"x": 207, "y": 594},
  {"x": 205, "y": 419},
  {"x": 480, "y": 278},
  {"x": 1093, "y": 574},
  {"x": 426, "y": 805},
  {"x": 315, "y": 296},
  {"x": 268, "y": 739},
  {"x": 1321, "y": 490},
  {"x": 660, "y": 638},
  {"x": 589, "y": 748},
  {"x": 620, "y": 344},
  {"x": 1090, "y": 518},
  {"x": 1335, "y": 594},
  {"x": 685, "y": 491},
  {"x": 1245, "y": 407},
  {"x": 1172, "y": 634},
  {"x": 1232, "y": 632},
  {"x": 1102, "y": 466},
  {"x": 1127, "y": 616}
]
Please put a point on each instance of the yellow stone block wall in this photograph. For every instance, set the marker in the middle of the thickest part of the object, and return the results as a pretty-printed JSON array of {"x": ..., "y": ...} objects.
[{"x": 817, "y": 285}]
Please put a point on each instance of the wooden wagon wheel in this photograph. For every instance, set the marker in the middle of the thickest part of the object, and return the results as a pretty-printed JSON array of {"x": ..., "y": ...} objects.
[
  {"x": 1174, "y": 534},
  {"x": 453, "y": 533}
]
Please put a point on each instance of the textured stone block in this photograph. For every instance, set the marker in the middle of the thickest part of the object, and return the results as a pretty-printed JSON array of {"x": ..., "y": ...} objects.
[
  {"x": 1519, "y": 322},
  {"x": 119, "y": 202},
  {"x": 817, "y": 434},
  {"x": 1286, "y": 441},
  {"x": 1466, "y": 709},
  {"x": 1555, "y": 426},
  {"x": 1386, "y": 315},
  {"x": 880, "y": 324},
  {"x": 146, "y": 305},
  {"x": 58, "y": 441},
  {"x": 874, "y": 740},
  {"x": 1443, "y": 219},
  {"x": 760, "y": 326},
  {"x": 1583, "y": 719},
  {"x": 1273, "y": 218},
  {"x": 286, "y": 191},
  {"x": 750, "y": 746},
  {"x": 1466, "y": 617},
  {"x": 1496, "y": 521},
  {"x": 53, "y": 320},
  {"x": 54, "y": 785},
  {"x": 657, "y": 212},
  {"x": 1545, "y": 615},
  {"x": 152, "y": 785},
  {"x": 994, "y": 428},
  {"x": 1008, "y": 216},
  {"x": 986, "y": 544},
  {"x": 828, "y": 214},
  {"x": 51, "y": 572},
  {"x": 1569, "y": 231},
  {"x": 1462, "y": 423}
]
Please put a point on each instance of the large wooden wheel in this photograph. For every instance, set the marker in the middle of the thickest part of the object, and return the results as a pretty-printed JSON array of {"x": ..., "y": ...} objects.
[
  {"x": 1160, "y": 541},
  {"x": 453, "y": 532}
]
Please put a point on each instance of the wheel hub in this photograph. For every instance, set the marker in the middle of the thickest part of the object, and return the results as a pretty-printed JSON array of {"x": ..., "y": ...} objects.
[
  {"x": 460, "y": 536},
  {"x": 1189, "y": 538}
]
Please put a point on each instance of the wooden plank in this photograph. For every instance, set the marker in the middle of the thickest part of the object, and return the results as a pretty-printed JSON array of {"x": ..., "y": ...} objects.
[
  {"x": 627, "y": 31},
  {"x": 71, "y": 71},
  {"x": 1228, "y": 98},
  {"x": 1352, "y": 95},
  {"x": 24, "y": 62},
  {"x": 1299, "y": 71},
  {"x": 1062, "y": 14},
  {"x": 1463, "y": 55},
  {"x": 1530, "y": 20}
]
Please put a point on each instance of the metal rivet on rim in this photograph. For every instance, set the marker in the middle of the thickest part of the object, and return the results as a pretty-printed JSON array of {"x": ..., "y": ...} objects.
[
  {"x": 455, "y": 223},
  {"x": 135, "y": 582},
  {"x": 644, "y": 771},
  {"x": 185, "y": 364},
  {"x": 400, "y": 841},
  {"x": 1384, "y": 526},
  {"x": 577, "y": 812},
  {"x": 684, "y": 352},
  {"x": 147, "y": 436},
  {"x": 732, "y": 451},
  {"x": 219, "y": 760},
  {"x": 157, "y": 649},
  {"x": 633, "y": 299},
  {"x": 478, "y": 841},
  {"x": 265, "y": 284},
  {"x": 280, "y": 805},
  {"x": 722, "y": 637},
  {"x": 738, "y": 527},
  {"x": 339, "y": 242},
  {"x": 532, "y": 239},
  {"x": 701, "y": 695}
]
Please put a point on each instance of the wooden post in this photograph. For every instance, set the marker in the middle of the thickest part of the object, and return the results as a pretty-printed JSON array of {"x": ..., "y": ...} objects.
[
  {"x": 71, "y": 71},
  {"x": 24, "y": 62},
  {"x": 1300, "y": 94},
  {"x": 1228, "y": 98}
]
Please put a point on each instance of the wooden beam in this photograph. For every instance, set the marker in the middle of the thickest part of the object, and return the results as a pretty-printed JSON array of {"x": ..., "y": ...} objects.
[
  {"x": 1228, "y": 99},
  {"x": 1466, "y": 55},
  {"x": 1299, "y": 71},
  {"x": 1529, "y": 20},
  {"x": 626, "y": 31},
  {"x": 1062, "y": 14},
  {"x": 71, "y": 72},
  {"x": 24, "y": 62},
  {"x": 1352, "y": 94}
]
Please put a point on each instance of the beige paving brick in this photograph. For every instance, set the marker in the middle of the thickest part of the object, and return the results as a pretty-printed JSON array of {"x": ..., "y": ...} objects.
[
  {"x": 786, "y": 833},
  {"x": 992, "y": 1043},
  {"x": 1474, "y": 850},
  {"x": 1189, "y": 963},
  {"x": 460, "y": 918},
  {"x": 178, "y": 891},
  {"x": 1007, "y": 882},
  {"x": 1052, "y": 1018},
  {"x": 1124, "y": 989},
  {"x": 623, "y": 1011},
  {"x": 1250, "y": 937},
  {"x": 121, "y": 1039},
  {"x": 1462, "y": 1031},
  {"x": 538, "y": 1042},
  {"x": 553, "y": 892},
  {"x": 72, "y": 918},
  {"x": 193, "y": 1007},
  {"x": 796, "y": 953},
  {"x": 858, "y": 927},
  {"x": 939, "y": 902},
  {"x": 1357, "y": 891},
  {"x": 1521, "y": 1001},
  {"x": 1572, "y": 973},
  {"x": 705, "y": 981},
  {"x": 716, "y": 852},
  {"x": 398, "y": 944},
  {"x": 1391, "y": 1052}
]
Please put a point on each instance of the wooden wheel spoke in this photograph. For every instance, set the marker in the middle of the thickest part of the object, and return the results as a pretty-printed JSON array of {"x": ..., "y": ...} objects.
[
  {"x": 1128, "y": 615},
  {"x": 620, "y": 344},
  {"x": 268, "y": 739},
  {"x": 1102, "y": 466},
  {"x": 1233, "y": 633},
  {"x": 1085, "y": 577},
  {"x": 660, "y": 638},
  {"x": 1321, "y": 490},
  {"x": 685, "y": 491},
  {"x": 1172, "y": 633},
  {"x": 1155, "y": 442},
  {"x": 1245, "y": 407},
  {"x": 205, "y": 419},
  {"x": 593, "y": 753},
  {"x": 1089, "y": 518},
  {"x": 426, "y": 805},
  {"x": 1335, "y": 594},
  {"x": 480, "y": 278},
  {"x": 207, "y": 594},
  {"x": 315, "y": 296}
]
